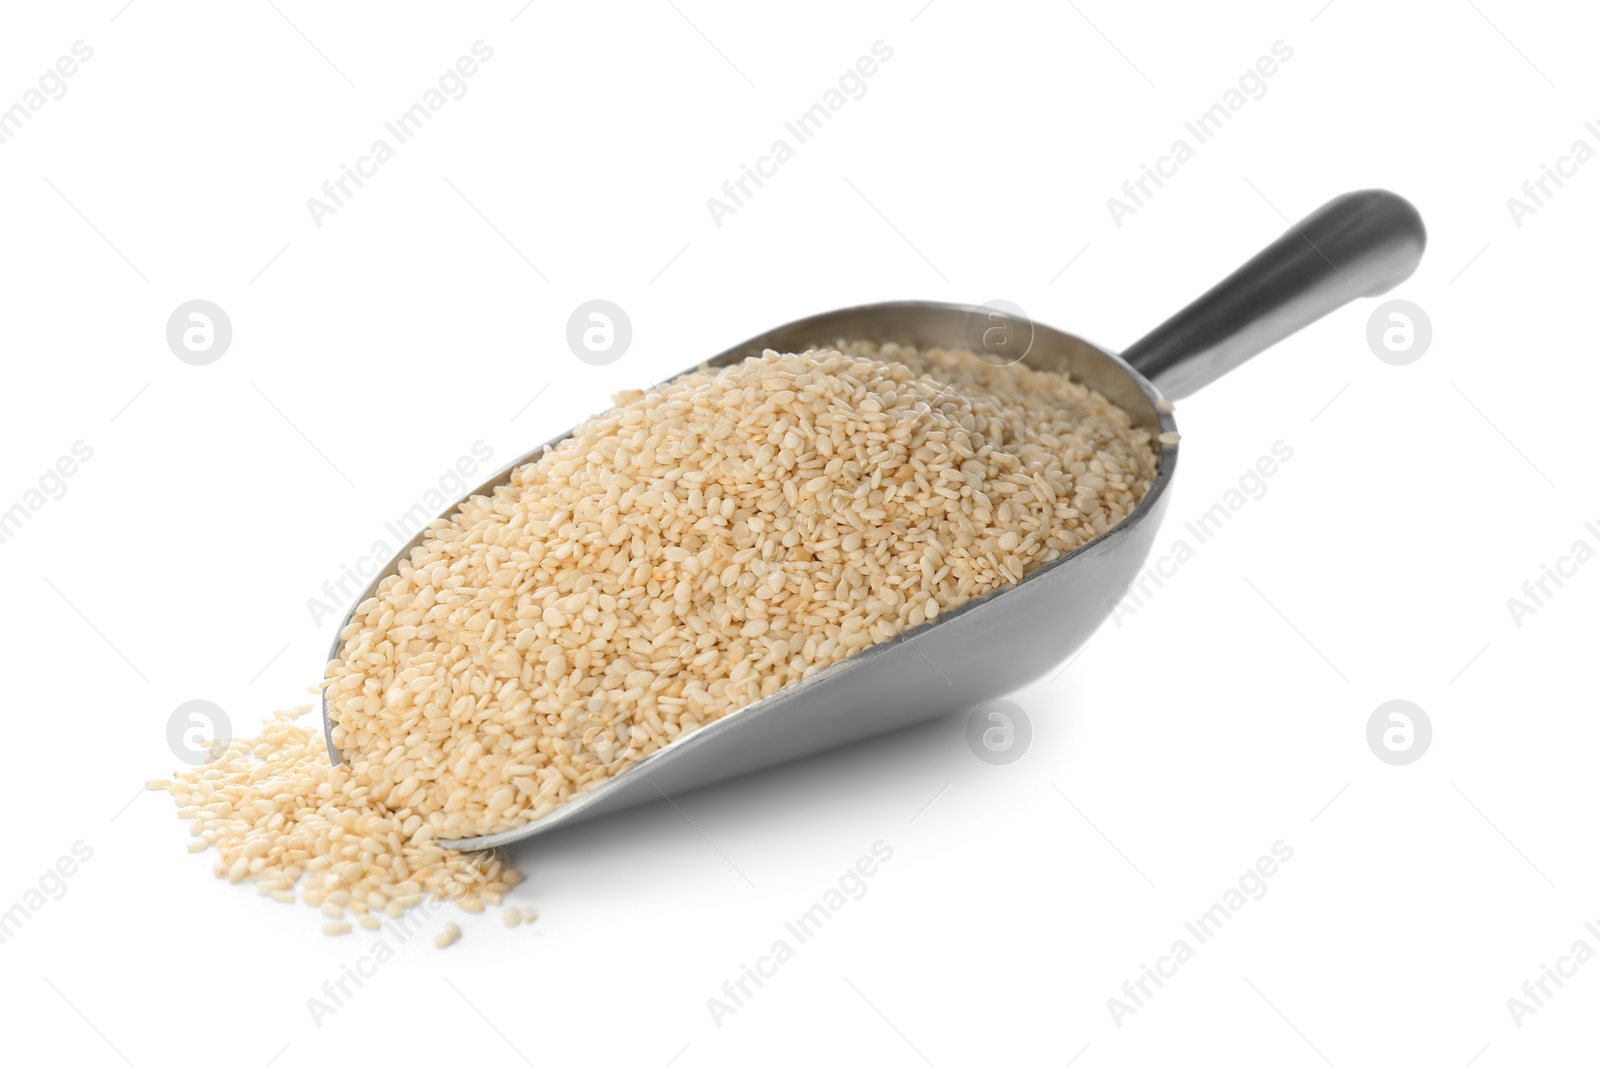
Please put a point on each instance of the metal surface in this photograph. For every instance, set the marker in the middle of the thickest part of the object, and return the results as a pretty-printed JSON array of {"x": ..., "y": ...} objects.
[
  {"x": 999, "y": 642},
  {"x": 1358, "y": 244}
]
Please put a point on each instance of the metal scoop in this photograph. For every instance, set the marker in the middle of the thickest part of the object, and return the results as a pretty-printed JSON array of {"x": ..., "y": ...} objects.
[{"x": 1360, "y": 244}]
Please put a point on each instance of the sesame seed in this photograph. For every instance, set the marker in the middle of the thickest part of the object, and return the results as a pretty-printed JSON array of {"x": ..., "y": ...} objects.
[
  {"x": 700, "y": 546},
  {"x": 696, "y": 547}
]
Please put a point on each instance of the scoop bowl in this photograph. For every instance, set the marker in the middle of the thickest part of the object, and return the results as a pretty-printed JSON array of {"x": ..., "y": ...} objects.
[{"x": 1359, "y": 244}]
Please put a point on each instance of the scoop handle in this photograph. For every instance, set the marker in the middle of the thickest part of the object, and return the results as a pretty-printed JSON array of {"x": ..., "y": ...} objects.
[{"x": 1359, "y": 244}]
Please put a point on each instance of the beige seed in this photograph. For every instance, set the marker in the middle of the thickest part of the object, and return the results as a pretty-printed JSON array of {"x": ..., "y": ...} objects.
[
  {"x": 512, "y": 917},
  {"x": 285, "y": 815},
  {"x": 335, "y": 929},
  {"x": 701, "y": 545}
]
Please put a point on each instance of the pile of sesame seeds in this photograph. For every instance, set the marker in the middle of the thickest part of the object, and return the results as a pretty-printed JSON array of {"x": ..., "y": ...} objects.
[
  {"x": 698, "y": 547},
  {"x": 286, "y": 819},
  {"x": 693, "y": 549}
]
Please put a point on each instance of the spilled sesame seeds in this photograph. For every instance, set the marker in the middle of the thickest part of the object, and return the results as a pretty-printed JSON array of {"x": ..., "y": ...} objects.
[{"x": 282, "y": 816}]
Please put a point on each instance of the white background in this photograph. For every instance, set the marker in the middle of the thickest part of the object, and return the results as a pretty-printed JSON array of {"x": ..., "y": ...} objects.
[{"x": 1227, "y": 714}]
